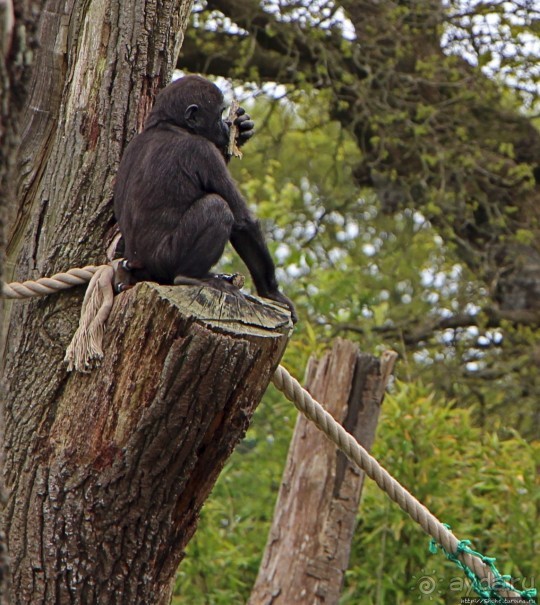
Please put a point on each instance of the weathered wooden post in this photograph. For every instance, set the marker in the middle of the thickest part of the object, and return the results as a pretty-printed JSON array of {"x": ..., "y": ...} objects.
[{"x": 308, "y": 546}]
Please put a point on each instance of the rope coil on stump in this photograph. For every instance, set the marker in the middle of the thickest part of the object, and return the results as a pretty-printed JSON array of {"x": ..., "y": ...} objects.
[{"x": 87, "y": 341}]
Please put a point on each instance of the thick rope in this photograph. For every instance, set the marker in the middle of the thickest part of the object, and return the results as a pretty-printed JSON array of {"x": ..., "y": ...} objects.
[
  {"x": 48, "y": 285},
  {"x": 314, "y": 411},
  {"x": 86, "y": 346}
]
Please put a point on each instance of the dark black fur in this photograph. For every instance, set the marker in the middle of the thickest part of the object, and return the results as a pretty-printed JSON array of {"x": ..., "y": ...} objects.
[{"x": 174, "y": 199}]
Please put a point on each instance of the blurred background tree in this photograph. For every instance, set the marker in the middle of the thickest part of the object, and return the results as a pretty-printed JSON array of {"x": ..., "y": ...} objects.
[
  {"x": 399, "y": 152},
  {"x": 396, "y": 168}
]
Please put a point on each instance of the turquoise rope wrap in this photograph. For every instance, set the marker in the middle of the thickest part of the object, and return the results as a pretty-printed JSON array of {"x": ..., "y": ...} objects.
[{"x": 489, "y": 593}]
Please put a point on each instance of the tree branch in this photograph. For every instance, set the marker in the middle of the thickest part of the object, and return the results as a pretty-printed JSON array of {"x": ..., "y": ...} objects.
[
  {"x": 488, "y": 318},
  {"x": 277, "y": 50}
]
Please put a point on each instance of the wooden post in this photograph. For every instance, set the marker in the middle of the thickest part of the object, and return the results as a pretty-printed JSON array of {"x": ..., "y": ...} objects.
[
  {"x": 103, "y": 502},
  {"x": 309, "y": 543}
]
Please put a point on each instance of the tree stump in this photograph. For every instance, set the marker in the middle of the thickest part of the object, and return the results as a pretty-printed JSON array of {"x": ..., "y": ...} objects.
[
  {"x": 309, "y": 544},
  {"x": 102, "y": 508}
]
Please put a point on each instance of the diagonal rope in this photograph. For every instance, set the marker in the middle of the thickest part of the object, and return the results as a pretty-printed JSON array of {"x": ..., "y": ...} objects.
[{"x": 314, "y": 411}]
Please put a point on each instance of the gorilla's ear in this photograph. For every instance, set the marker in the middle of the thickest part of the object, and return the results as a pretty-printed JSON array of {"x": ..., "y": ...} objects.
[{"x": 189, "y": 114}]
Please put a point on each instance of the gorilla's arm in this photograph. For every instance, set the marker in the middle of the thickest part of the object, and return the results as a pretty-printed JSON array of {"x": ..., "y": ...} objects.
[
  {"x": 246, "y": 127},
  {"x": 246, "y": 235}
]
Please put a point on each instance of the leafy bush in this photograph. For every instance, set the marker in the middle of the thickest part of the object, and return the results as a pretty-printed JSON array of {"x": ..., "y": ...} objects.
[{"x": 486, "y": 488}]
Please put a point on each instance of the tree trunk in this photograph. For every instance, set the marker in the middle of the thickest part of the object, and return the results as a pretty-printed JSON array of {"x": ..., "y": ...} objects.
[
  {"x": 309, "y": 543},
  {"x": 78, "y": 79},
  {"x": 8, "y": 112},
  {"x": 106, "y": 495}
]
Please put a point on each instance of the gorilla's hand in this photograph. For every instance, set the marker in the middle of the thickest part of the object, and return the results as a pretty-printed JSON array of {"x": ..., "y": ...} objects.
[
  {"x": 245, "y": 126},
  {"x": 282, "y": 299}
]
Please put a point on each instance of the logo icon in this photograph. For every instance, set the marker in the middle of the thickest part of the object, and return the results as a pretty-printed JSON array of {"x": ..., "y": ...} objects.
[{"x": 426, "y": 584}]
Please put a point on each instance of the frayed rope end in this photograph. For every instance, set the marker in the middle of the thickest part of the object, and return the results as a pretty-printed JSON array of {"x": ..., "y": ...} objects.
[{"x": 86, "y": 347}]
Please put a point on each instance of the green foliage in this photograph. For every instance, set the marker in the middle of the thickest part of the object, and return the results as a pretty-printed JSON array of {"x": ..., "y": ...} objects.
[
  {"x": 485, "y": 487},
  {"x": 387, "y": 280}
]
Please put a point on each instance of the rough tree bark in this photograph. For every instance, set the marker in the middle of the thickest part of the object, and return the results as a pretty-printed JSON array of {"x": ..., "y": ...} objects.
[
  {"x": 309, "y": 544},
  {"x": 82, "y": 78},
  {"x": 112, "y": 484}
]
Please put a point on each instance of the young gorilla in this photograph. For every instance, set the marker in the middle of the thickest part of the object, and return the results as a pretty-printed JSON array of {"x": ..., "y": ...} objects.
[{"x": 174, "y": 199}]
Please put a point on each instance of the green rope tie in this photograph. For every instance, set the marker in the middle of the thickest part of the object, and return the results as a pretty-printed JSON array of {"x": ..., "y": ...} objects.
[{"x": 490, "y": 593}]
